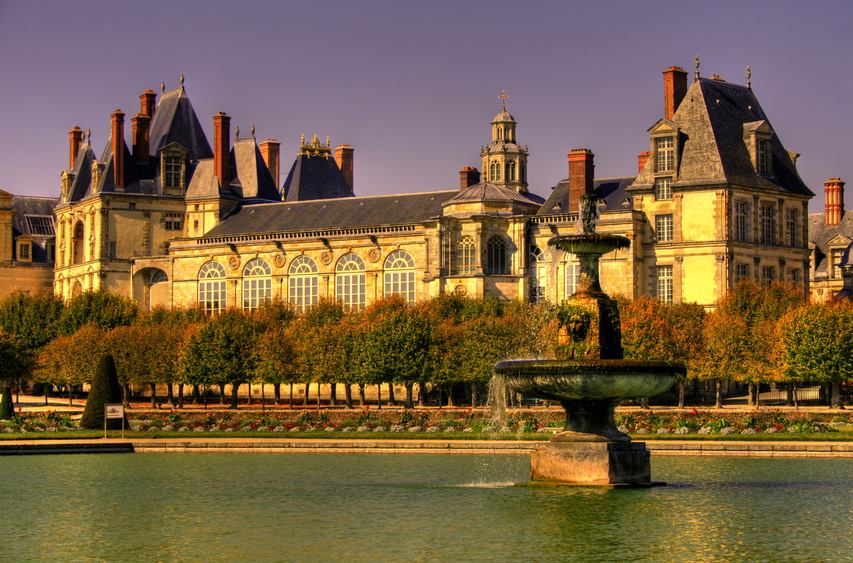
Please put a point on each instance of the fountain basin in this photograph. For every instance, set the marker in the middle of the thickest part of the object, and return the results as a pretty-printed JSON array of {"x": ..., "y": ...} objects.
[{"x": 596, "y": 244}]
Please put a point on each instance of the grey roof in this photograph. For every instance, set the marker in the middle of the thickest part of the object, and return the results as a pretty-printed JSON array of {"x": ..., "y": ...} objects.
[
  {"x": 820, "y": 235},
  {"x": 82, "y": 173},
  {"x": 175, "y": 121},
  {"x": 503, "y": 116},
  {"x": 23, "y": 206},
  {"x": 712, "y": 119},
  {"x": 399, "y": 209},
  {"x": 485, "y": 191},
  {"x": 250, "y": 176},
  {"x": 612, "y": 191},
  {"x": 315, "y": 177}
]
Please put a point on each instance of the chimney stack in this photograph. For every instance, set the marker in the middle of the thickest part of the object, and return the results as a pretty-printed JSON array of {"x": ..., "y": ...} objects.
[
  {"x": 146, "y": 103},
  {"x": 581, "y": 174},
  {"x": 117, "y": 141},
  {"x": 271, "y": 153},
  {"x": 833, "y": 189},
  {"x": 75, "y": 139},
  {"x": 221, "y": 154},
  {"x": 674, "y": 89},
  {"x": 642, "y": 159},
  {"x": 139, "y": 126},
  {"x": 468, "y": 176},
  {"x": 344, "y": 160}
]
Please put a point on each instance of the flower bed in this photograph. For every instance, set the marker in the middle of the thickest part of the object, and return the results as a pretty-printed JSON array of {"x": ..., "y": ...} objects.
[{"x": 706, "y": 422}]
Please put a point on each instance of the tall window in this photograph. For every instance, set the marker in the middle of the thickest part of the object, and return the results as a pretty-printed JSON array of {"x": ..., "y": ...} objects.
[
  {"x": 762, "y": 156},
  {"x": 172, "y": 172},
  {"x": 741, "y": 272},
  {"x": 835, "y": 263},
  {"x": 257, "y": 284},
  {"x": 664, "y": 154},
  {"x": 302, "y": 283},
  {"x": 510, "y": 171},
  {"x": 495, "y": 171},
  {"x": 496, "y": 263},
  {"x": 400, "y": 275},
  {"x": 663, "y": 188},
  {"x": 663, "y": 227},
  {"x": 466, "y": 251},
  {"x": 573, "y": 274},
  {"x": 350, "y": 281},
  {"x": 537, "y": 274},
  {"x": 211, "y": 287},
  {"x": 768, "y": 274},
  {"x": 742, "y": 221},
  {"x": 768, "y": 224},
  {"x": 664, "y": 281},
  {"x": 791, "y": 220},
  {"x": 795, "y": 275}
]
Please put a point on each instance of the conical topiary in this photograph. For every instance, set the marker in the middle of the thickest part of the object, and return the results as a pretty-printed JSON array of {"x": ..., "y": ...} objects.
[
  {"x": 105, "y": 389},
  {"x": 7, "y": 409}
]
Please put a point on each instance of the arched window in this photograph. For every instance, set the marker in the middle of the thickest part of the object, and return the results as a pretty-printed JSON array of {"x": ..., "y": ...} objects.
[
  {"x": 466, "y": 251},
  {"x": 573, "y": 274},
  {"x": 400, "y": 275},
  {"x": 78, "y": 244},
  {"x": 211, "y": 287},
  {"x": 350, "y": 281},
  {"x": 523, "y": 173},
  {"x": 496, "y": 263},
  {"x": 76, "y": 289},
  {"x": 537, "y": 274},
  {"x": 302, "y": 283},
  {"x": 510, "y": 171},
  {"x": 257, "y": 284}
]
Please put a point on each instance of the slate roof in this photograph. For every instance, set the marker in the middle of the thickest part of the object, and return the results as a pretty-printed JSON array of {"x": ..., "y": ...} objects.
[
  {"x": 612, "y": 191},
  {"x": 33, "y": 216},
  {"x": 348, "y": 212},
  {"x": 485, "y": 191},
  {"x": 315, "y": 177},
  {"x": 250, "y": 178},
  {"x": 712, "y": 118},
  {"x": 175, "y": 121},
  {"x": 820, "y": 235}
]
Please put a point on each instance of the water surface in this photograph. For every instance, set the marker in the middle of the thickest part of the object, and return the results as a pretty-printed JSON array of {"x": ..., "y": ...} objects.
[{"x": 368, "y": 507}]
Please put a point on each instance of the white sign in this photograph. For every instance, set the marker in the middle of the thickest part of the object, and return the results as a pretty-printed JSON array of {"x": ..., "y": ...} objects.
[{"x": 114, "y": 411}]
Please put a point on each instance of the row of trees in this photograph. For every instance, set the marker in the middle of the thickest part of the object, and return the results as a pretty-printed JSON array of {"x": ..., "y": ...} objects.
[{"x": 757, "y": 333}]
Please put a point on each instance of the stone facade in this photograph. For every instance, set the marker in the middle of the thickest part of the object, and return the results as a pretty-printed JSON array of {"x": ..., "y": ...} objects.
[{"x": 26, "y": 244}]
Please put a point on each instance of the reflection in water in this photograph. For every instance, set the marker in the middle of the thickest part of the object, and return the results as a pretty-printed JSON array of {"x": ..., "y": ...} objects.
[{"x": 418, "y": 507}]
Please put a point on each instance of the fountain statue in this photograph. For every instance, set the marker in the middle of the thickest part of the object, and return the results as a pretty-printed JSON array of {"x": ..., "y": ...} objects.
[{"x": 589, "y": 376}]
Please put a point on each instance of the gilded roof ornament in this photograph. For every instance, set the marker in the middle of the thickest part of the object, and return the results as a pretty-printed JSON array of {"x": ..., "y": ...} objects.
[
  {"x": 503, "y": 97},
  {"x": 748, "y": 77},
  {"x": 315, "y": 147}
]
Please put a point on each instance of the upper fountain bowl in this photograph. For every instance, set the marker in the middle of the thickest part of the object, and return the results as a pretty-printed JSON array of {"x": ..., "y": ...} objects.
[{"x": 589, "y": 243}]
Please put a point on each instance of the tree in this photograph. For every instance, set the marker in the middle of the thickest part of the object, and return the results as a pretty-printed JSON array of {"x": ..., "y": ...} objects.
[
  {"x": 317, "y": 346},
  {"x": 105, "y": 389},
  {"x": 816, "y": 344},
  {"x": 15, "y": 363},
  {"x": 32, "y": 318},
  {"x": 145, "y": 354},
  {"x": 70, "y": 360},
  {"x": 277, "y": 359},
  {"x": 223, "y": 352},
  {"x": 102, "y": 308}
]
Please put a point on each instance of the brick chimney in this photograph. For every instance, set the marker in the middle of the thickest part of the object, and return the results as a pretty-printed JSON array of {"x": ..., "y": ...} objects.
[
  {"x": 344, "y": 160},
  {"x": 75, "y": 139},
  {"x": 468, "y": 176},
  {"x": 146, "y": 103},
  {"x": 674, "y": 89},
  {"x": 271, "y": 153},
  {"x": 642, "y": 159},
  {"x": 833, "y": 189},
  {"x": 221, "y": 156},
  {"x": 139, "y": 125},
  {"x": 581, "y": 174},
  {"x": 117, "y": 141}
]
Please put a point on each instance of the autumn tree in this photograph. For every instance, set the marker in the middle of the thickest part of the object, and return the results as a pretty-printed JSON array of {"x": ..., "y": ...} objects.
[
  {"x": 317, "y": 346},
  {"x": 70, "y": 360},
  {"x": 101, "y": 308}
]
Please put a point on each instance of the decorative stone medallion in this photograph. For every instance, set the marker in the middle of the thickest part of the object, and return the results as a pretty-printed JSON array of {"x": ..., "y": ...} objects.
[
  {"x": 233, "y": 262},
  {"x": 326, "y": 257},
  {"x": 374, "y": 255},
  {"x": 279, "y": 260},
  {"x": 460, "y": 290}
]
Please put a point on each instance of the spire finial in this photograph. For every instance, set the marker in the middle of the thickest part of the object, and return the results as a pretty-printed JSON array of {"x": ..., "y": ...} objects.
[
  {"x": 253, "y": 130},
  {"x": 748, "y": 77},
  {"x": 328, "y": 141},
  {"x": 302, "y": 139},
  {"x": 696, "y": 63},
  {"x": 503, "y": 97},
  {"x": 181, "y": 79},
  {"x": 237, "y": 133},
  {"x": 162, "y": 88},
  {"x": 89, "y": 136}
]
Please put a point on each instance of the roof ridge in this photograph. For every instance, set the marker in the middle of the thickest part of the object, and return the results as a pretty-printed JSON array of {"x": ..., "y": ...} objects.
[{"x": 354, "y": 198}]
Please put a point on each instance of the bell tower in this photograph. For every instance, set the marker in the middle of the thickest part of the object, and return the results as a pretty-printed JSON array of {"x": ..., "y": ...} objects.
[{"x": 504, "y": 160}]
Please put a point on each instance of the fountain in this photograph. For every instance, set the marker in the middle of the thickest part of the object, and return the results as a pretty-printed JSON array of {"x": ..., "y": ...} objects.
[{"x": 589, "y": 377}]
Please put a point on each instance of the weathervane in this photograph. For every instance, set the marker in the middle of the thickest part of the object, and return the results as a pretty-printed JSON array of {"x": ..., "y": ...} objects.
[
  {"x": 503, "y": 97},
  {"x": 696, "y": 62},
  {"x": 162, "y": 88},
  {"x": 237, "y": 133},
  {"x": 253, "y": 130},
  {"x": 748, "y": 77}
]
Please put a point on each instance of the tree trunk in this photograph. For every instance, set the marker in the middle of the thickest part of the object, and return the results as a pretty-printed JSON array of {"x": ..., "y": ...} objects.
[
  {"x": 170, "y": 393},
  {"x": 836, "y": 395},
  {"x": 153, "y": 387},
  {"x": 718, "y": 394},
  {"x": 46, "y": 392},
  {"x": 789, "y": 395},
  {"x": 318, "y": 395},
  {"x": 277, "y": 393},
  {"x": 409, "y": 395},
  {"x": 250, "y": 394},
  {"x": 204, "y": 397},
  {"x": 125, "y": 395},
  {"x": 379, "y": 396},
  {"x": 750, "y": 394},
  {"x": 681, "y": 393},
  {"x": 196, "y": 394},
  {"x": 473, "y": 395},
  {"x": 644, "y": 403},
  {"x": 450, "y": 396},
  {"x": 391, "y": 399},
  {"x": 307, "y": 390},
  {"x": 180, "y": 395},
  {"x": 70, "y": 399},
  {"x": 333, "y": 394},
  {"x": 221, "y": 393},
  {"x": 794, "y": 393},
  {"x": 290, "y": 403},
  {"x": 440, "y": 389},
  {"x": 421, "y": 394},
  {"x": 263, "y": 398},
  {"x": 235, "y": 388},
  {"x": 362, "y": 399},
  {"x": 757, "y": 395},
  {"x": 348, "y": 394}
]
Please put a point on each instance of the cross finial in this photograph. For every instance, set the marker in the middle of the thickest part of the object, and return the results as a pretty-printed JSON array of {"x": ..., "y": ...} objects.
[
  {"x": 302, "y": 139},
  {"x": 748, "y": 77},
  {"x": 696, "y": 62},
  {"x": 328, "y": 141},
  {"x": 503, "y": 97}
]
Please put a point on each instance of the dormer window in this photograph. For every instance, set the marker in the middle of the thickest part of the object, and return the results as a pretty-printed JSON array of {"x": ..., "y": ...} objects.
[
  {"x": 664, "y": 154},
  {"x": 757, "y": 136},
  {"x": 25, "y": 251},
  {"x": 762, "y": 150},
  {"x": 172, "y": 171}
]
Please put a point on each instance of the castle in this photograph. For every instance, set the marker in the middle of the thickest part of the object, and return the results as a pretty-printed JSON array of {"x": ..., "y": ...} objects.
[{"x": 174, "y": 222}]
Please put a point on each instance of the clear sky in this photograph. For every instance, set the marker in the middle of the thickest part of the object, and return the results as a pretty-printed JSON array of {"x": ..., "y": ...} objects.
[{"x": 413, "y": 85}]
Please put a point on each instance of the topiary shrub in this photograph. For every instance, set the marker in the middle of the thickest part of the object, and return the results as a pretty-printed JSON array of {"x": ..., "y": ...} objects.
[
  {"x": 7, "y": 409},
  {"x": 105, "y": 389}
]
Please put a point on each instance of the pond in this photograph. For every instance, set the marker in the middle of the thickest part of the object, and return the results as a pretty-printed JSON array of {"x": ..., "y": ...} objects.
[{"x": 368, "y": 507}]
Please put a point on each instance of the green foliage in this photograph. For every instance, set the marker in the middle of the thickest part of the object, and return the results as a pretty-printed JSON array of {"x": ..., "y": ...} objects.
[
  {"x": 70, "y": 360},
  {"x": 105, "y": 389},
  {"x": 652, "y": 330},
  {"x": 34, "y": 319},
  {"x": 101, "y": 308},
  {"x": 816, "y": 343},
  {"x": 7, "y": 409},
  {"x": 16, "y": 360},
  {"x": 145, "y": 353}
]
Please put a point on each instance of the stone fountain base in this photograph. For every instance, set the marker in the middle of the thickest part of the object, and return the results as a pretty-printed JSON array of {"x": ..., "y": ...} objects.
[{"x": 592, "y": 463}]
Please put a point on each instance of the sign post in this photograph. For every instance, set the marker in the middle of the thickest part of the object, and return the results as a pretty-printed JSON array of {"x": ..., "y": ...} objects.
[{"x": 114, "y": 411}]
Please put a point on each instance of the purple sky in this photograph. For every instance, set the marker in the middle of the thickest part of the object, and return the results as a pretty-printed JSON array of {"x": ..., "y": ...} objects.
[{"x": 413, "y": 86}]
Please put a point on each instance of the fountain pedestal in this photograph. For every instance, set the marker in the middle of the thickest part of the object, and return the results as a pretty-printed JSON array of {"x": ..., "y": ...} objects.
[{"x": 592, "y": 463}]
